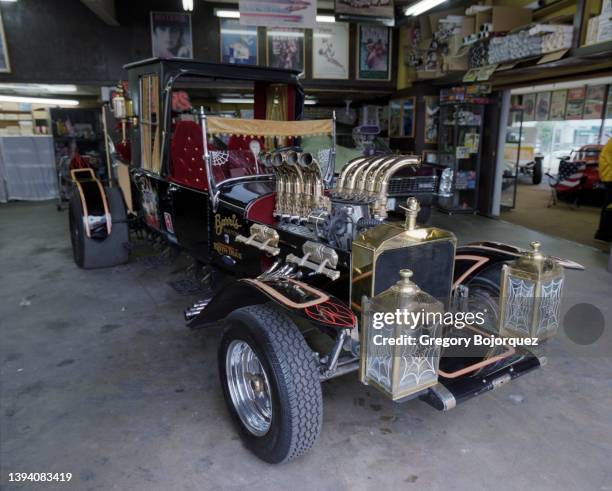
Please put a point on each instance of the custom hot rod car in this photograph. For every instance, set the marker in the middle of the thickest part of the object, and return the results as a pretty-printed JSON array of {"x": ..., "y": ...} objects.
[{"x": 306, "y": 254}]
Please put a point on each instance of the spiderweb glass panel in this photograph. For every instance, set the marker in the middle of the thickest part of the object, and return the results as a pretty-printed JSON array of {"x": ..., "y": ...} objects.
[
  {"x": 519, "y": 304},
  {"x": 550, "y": 303}
]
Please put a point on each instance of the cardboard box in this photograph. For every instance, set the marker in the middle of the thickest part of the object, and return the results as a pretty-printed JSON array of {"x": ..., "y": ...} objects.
[
  {"x": 455, "y": 42},
  {"x": 455, "y": 63},
  {"x": 434, "y": 18},
  {"x": 428, "y": 74},
  {"x": 503, "y": 18},
  {"x": 592, "y": 30},
  {"x": 604, "y": 29}
]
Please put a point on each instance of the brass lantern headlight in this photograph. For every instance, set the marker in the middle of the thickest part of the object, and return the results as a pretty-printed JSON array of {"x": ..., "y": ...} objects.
[
  {"x": 392, "y": 357},
  {"x": 531, "y": 291}
]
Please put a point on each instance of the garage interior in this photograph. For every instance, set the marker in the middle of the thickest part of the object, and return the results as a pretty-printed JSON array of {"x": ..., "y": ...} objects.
[{"x": 103, "y": 378}]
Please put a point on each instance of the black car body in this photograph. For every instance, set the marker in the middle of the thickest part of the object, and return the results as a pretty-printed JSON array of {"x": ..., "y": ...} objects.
[{"x": 302, "y": 248}]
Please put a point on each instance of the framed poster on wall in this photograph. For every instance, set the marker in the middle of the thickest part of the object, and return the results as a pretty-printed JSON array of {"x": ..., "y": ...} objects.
[
  {"x": 575, "y": 103},
  {"x": 557, "y": 105},
  {"x": 408, "y": 117},
  {"x": 529, "y": 101},
  {"x": 5, "y": 65},
  {"x": 430, "y": 156},
  {"x": 238, "y": 43},
  {"x": 171, "y": 35},
  {"x": 330, "y": 51},
  {"x": 542, "y": 106},
  {"x": 432, "y": 113},
  {"x": 593, "y": 105},
  {"x": 285, "y": 48},
  {"x": 401, "y": 118},
  {"x": 373, "y": 52},
  {"x": 395, "y": 118}
]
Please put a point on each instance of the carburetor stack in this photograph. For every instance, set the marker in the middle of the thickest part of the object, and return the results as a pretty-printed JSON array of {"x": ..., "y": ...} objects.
[
  {"x": 365, "y": 180},
  {"x": 299, "y": 184},
  {"x": 358, "y": 200}
]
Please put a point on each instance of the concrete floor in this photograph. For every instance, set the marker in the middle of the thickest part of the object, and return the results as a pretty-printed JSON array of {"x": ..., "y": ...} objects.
[
  {"x": 562, "y": 220},
  {"x": 100, "y": 378}
]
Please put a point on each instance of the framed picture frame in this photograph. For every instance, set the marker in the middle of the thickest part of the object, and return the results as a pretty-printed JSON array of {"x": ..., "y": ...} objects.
[
  {"x": 594, "y": 102},
  {"x": 557, "y": 105},
  {"x": 429, "y": 157},
  {"x": 575, "y": 103},
  {"x": 237, "y": 43},
  {"x": 529, "y": 102},
  {"x": 432, "y": 117},
  {"x": 395, "y": 118},
  {"x": 373, "y": 52},
  {"x": 542, "y": 106},
  {"x": 5, "y": 64},
  {"x": 171, "y": 35},
  {"x": 285, "y": 48},
  {"x": 401, "y": 117},
  {"x": 330, "y": 51}
]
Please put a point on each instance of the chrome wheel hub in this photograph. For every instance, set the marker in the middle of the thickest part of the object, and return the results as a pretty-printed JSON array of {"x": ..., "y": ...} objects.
[{"x": 248, "y": 387}]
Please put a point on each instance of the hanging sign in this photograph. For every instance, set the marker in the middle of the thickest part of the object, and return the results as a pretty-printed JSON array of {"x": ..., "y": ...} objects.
[{"x": 278, "y": 13}]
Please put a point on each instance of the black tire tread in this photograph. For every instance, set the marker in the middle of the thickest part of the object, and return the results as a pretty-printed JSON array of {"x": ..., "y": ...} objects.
[{"x": 291, "y": 356}]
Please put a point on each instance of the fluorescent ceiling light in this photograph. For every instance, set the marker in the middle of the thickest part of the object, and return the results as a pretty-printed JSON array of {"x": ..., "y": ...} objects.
[
  {"x": 227, "y": 14},
  {"x": 188, "y": 5},
  {"x": 8, "y": 1},
  {"x": 39, "y": 100},
  {"x": 37, "y": 88},
  {"x": 310, "y": 102},
  {"x": 422, "y": 6},
  {"x": 235, "y": 14},
  {"x": 235, "y": 100}
]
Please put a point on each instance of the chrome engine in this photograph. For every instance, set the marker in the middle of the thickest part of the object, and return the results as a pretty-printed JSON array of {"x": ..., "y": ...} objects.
[{"x": 358, "y": 200}]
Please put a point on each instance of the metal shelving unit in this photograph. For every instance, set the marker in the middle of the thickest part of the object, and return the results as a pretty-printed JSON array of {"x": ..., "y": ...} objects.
[{"x": 459, "y": 148}]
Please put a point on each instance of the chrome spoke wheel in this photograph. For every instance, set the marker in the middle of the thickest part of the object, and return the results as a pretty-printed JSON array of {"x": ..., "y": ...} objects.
[{"x": 249, "y": 387}]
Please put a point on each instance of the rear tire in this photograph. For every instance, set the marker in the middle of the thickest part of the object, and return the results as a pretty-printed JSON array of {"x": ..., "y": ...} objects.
[
  {"x": 290, "y": 371},
  {"x": 483, "y": 295},
  {"x": 536, "y": 178},
  {"x": 90, "y": 253}
]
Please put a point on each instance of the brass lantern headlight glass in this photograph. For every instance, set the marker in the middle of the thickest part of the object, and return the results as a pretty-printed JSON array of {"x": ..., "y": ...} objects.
[
  {"x": 531, "y": 293},
  {"x": 405, "y": 368}
]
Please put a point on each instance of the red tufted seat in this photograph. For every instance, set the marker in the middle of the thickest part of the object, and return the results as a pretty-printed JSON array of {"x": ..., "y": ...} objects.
[{"x": 186, "y": 162}]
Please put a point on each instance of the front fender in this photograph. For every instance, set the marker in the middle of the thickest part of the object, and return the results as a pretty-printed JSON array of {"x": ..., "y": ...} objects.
[
  {"x": 96, "y": 217},
  {"x": 319, "y": 308},
  {"x": 474, "y": 259}
]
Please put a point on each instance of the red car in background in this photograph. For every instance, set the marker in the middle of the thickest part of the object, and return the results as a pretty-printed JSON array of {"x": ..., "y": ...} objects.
[{"x": 578, "y": 179}]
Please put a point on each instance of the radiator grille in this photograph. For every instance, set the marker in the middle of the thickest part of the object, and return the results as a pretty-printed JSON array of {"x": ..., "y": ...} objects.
[
  {"x": 432, "y": 264},
  {"x": 404, "y": 186}
]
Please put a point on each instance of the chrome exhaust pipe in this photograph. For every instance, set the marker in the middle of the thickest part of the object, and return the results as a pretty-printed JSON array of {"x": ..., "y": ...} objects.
[{"x": 195, "y": 310}]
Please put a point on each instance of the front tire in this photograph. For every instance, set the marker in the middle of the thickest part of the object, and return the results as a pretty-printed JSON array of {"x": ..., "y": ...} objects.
[{"x": 271, "y": 384}]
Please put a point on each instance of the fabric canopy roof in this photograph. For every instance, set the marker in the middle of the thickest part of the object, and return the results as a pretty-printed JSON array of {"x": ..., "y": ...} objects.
[{"x": 264, "y": 127}]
